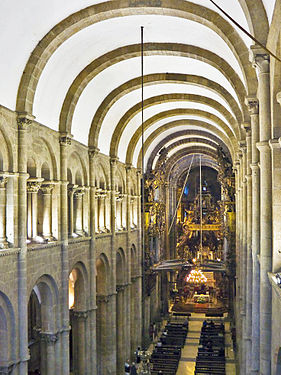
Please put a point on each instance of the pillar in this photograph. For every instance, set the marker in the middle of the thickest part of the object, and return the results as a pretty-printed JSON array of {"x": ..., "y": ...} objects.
[
  {"x": 79, "y": 319},
  {"x": 93, "y": 153},
  {"x": 120, "y": 328},
  {"x": 48, "y": 342},
  {"x": 261, "y": 62},
  {"x": 70, "y": 191},
  {"x": 47, "y": 210},
  {"x": 65, "y": 142},
  {"x": 3, "y": 238},
  {"x": 24, "y": 121},
  {"x": 78, "y": 210},
  {"x": 33, "y": 186},
  {"x": 253, "y": 108}
]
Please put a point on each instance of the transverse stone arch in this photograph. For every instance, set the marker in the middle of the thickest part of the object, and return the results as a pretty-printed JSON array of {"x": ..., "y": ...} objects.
[
  {"x": 157, "y": 100},
  {"x": 7, "y": 332},
  {"x": 183, "y": 133},
  {"x": 131, "y": 51},
  {"x": 99, "y": 12},
  {"x": 209, "y": 128},
  {"x": 160, "y": 78},
  {"x": 229, "y": 142},
  {"x": 186, "y": 151}
]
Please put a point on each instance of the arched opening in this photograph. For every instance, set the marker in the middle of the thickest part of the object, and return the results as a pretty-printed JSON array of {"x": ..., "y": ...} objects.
[
  {"x": 43, "y": 327},
  {"x": 78, "y": 313},
  {"x": 7, "y": 335}
]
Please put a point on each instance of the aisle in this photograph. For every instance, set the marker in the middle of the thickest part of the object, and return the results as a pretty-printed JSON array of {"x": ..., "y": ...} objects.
[{"x": 189, "y": 352}]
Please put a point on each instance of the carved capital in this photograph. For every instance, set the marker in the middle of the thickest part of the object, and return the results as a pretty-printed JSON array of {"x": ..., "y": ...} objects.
[
  {"x": 259, "y": 59},
  {"x": 128, "y": 168},
  {"x": 120, "y": 288},
  {"x": 6, "y": 370},
  {"x": 242, "y": 146},
  {"x": 93, "y": 152},
  {"x": 65, "y": 139},
  {"x": 24, "y": 120},
  {"x": 79, "y": 192},
  {"x": 3, "y": 182},
  {"x": 71, "y": 188},
  {"x": 49, "y": 338},
  {"x": 47, "y": 188},
  {"x": 81, "y": 315},
  {"x": 102, "y": 299},
  {"x": 113, "y": 161},
  {"x": 253, "y": 105},
  {"x": 33, "y": 185}
]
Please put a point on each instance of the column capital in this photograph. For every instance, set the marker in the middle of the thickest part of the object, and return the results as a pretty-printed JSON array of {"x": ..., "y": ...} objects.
[
  {"x": 102, "y": 298},
  {"x": 82, "y": 315},
  {"x": 242, "y": 146},
  {"x": 128, "y": 167},
  {"x": 274, "y": 143},
  {"x": 278, "y": 97},
  {"x": 260, "y": 59},
  {"x": 79, "y": 192},
  {"x": 3, "y": 182},
  {"x": 93, "y": 152},
  {"x": 34, "y": 184},
  {"x": 71, "y": 188},
  {"x": 263, "y": 146},
  {"x": 65, "y": 139},
  {"x": 49, "y": 338},
  {"x": 113, "y": 161},
  {"x": 253, "y": 105},
  {"x": 47, "y": 187},
  {"x": 24, "y": 119},
  {"x": 247, "y": 127},
  {"x": 120, "y": 288}
]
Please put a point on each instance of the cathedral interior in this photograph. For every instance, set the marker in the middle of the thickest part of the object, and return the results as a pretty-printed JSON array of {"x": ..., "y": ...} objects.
[{"x": 140, "y": 180}]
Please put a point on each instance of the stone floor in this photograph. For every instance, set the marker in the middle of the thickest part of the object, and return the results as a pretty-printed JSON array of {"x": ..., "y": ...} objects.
[{"x": 189, "y": 352}]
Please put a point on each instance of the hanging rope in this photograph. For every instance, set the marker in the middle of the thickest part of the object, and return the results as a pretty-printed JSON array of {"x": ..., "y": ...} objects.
[
  {"x": 245, "y": 31},
  {"x": 185, "y": 181}
]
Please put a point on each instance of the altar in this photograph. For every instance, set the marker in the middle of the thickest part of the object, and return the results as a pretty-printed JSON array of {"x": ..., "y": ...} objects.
[{"x": 201, "y": 298}]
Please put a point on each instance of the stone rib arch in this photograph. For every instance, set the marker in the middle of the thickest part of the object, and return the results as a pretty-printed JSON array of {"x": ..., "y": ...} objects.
[
  {"x": 75, "y": 155},
  {"x": 208, "y": 127},
  {"x": 182, "y": 133},
  {"x": 135, "y": 138},
  {"x": 161, "y": 99},
  {"x": 160, "y": 78},
  {"x": 132, "y": 51},
  {"x": 256, "y": 18},
  {"x": 96, "y": 13},
  {"x": 184, "y": 152}
]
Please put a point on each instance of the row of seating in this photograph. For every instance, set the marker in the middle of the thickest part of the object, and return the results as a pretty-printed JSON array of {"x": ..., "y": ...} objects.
[
  {"x": 210, "y": 358},
  {"x": 167, "y": 352}
]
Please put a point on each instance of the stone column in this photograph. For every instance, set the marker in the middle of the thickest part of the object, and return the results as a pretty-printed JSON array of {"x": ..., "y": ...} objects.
[
  {"x": 261, "y": 62},
  {"x": 46, "y": 189},
  {"x": 79, "y": 320},
  {"x": 253, "y": 107},
  {"x": 71, "y": 190},
  {"x": 93, "y": 152},
  {"x": 249, "y": 254},
  {"x": 111, "y": 333},
  {"x": 113, "y": 166},
  {"x": 276, "y": 201},
  {"x": 78, "y": 211},
  {"x": 33, "y": 186},
  {"x": 103, "y": 333},
  {"x": 3, "y": 238},
  {"x": 120, "y": 328},
  {"x": 24, "y": 121},
  {"x": 65, "y": 142},
  {"x": 48, "y": 342}
]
